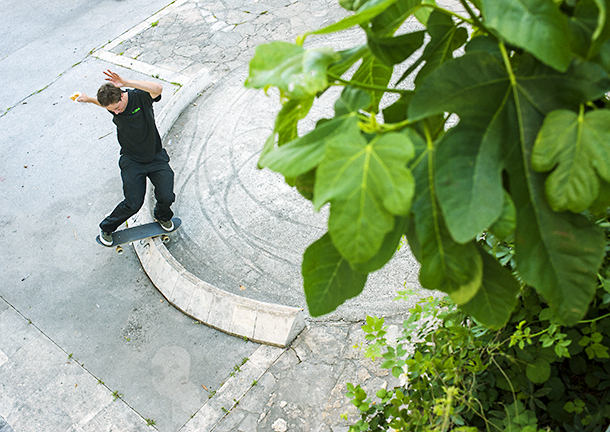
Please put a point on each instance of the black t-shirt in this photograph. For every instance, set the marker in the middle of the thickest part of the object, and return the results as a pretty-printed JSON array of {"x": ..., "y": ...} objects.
[{"x": 136, "y": 129}]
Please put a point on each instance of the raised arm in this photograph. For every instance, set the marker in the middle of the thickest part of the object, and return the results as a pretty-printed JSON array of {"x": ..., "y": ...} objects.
[
  {"x": 88, "y": 99},
  {"x": 152, "y": 88}
]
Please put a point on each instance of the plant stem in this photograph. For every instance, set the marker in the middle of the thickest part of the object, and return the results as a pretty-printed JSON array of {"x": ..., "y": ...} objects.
[
  {"x": 475, "y": 19},
  {"x": 450, "y": 13},
  {"x": 512, "y": 389},
  {"x": 396, "y": 126},
  {"x": 509, "y": 67},
  {"x": 594, "y": 319}
]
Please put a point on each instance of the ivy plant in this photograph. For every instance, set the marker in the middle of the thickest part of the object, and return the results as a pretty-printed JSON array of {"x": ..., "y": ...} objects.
[{"x": 527, "y": 160}]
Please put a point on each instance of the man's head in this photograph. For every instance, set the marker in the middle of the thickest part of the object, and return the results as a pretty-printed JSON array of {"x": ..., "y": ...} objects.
[{"x": 112, "y": 98}]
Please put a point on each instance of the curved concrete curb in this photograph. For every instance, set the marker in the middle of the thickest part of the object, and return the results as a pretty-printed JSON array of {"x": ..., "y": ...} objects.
[{"x": 258, "y": 321}]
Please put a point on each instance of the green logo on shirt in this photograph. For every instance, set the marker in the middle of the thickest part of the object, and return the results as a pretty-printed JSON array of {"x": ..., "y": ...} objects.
[{"x": 136, "y": 110}]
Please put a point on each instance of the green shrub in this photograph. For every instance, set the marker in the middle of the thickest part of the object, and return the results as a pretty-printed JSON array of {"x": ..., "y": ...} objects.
[{"x": 456, "y": 374}]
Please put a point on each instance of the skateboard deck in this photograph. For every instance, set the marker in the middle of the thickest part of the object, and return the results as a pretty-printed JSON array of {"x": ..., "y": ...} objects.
[{"x": 140, "y": 232}]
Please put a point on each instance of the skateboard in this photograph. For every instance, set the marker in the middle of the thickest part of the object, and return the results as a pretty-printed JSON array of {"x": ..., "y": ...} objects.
[{"x": 139, "y": 232}]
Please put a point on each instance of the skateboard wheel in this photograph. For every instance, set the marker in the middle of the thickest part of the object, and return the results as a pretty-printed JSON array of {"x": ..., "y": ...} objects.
[
  {"x": 165, "y": 238},
  {"x": 119, "y": 250}
]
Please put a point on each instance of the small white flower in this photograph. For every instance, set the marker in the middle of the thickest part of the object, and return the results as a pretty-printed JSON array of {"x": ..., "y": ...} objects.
[{"x": 403, "y": 378}]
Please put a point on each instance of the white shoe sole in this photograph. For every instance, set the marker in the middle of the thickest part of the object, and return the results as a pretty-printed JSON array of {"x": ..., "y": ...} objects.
[{"x": 170, "y": 229}]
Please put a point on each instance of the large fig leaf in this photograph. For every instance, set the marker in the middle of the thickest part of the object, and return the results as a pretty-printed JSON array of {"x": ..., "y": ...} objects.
[
  {"x": 301, "y": 155},
  {"x": 469, "y": 178},
  {"x": 305, "y": 153},
  {"x": 328, "y": 278},
  {"x": 557, "y": 253},
  {"x": 538, "y": 26},
  {"x": 347, "y": 59},
  {"x": 396, "y": 49},
  {"x": 510, "y": 106},
  {"x": 387, "y": 250},
  {"x": 298, "y": 72},
  {"x": 387, "y": 22},
  {"x": 456, "y": 269},
  {"x": 366, "y": 11},
  {"x": 576, "y": 147},
  {"x": 494, "y": 302},
  {"x": 286, "y": 122},
  {"x": 446, "y": 37},
  {"x": 506, "y": 224},
  {"x": 367, "y": 184},
  {"x": 375, "y": 75}
]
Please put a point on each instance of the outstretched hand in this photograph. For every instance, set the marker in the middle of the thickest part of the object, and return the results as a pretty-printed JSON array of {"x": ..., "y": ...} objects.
[
  {"x": 114, "y": 78},
  {"x": 84, "y": 98}
]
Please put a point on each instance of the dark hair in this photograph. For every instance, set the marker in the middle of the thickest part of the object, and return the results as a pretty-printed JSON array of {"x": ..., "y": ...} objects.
[{"x": 108, "y": 94}]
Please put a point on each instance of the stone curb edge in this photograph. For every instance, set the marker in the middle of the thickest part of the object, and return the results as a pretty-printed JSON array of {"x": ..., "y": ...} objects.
[{"x": 257, "y": 321}]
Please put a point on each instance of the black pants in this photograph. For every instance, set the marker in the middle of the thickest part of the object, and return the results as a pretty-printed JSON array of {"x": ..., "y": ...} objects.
[{"x": 134, "y": 176}]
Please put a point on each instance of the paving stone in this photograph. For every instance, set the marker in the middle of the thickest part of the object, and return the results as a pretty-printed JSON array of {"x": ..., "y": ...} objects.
[
  {"x": 305, "y": 388},
  {"x": 4, "y": 426}
]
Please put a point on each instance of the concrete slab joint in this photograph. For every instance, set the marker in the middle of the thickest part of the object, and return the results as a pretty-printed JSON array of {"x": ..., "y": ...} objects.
[{"x": 258, "y": 321}]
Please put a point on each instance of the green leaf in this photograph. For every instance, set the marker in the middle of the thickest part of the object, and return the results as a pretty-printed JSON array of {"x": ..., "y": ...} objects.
[
  {"x": 394, "y": 16},
  {"x": 305, "y": 183},
  {"x": 367, "y": 10},
  {"x": 347, "y": 59},
  {"x": 298, "y": 72},
  {"x": 476, "y": 76},
  {"x": 534, "y": 25},
  {"x": 394, "y": 50},
  {"x": 484, "y": 43},
  {"x": 495, "y": 300},
  {"x": 351, "y": 101},
  {"x": 602, "y": 30},
  {"x": 506, "y": 224},
  {"x": 456, "y": 269},
  {"x": 305, "y": 153},
  {"x": 482, "y": 77},
  {"x": 423, "y": 14},
  {"x": 548, "y": 90},
  {"x": 387, "y": 250},
  {"x": 286, "y": 122},
  {"x": 367, "y": 184},
  {"x": 397, "y": 112},
  {"x": 539, "y": 371},
  {"x": 288, "y": 118},
  {"x": 557, "y": 253},
  {"x": 601, "y": 18},
  {"x": 583, "y": 24},
  {"x": 603, "y": 200},
  {"x": 469, "y": 178},
  {"x": 374, "y": 74},
  {"x": 575, "y": 148},
  {"x": 445, "y": 39},
  {"x": 328, "y": 278},
  {"x": 352, "y": 5}
]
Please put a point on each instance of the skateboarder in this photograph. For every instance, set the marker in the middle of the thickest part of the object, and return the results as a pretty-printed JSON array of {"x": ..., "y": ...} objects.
[{"x": 142, "y": 154}]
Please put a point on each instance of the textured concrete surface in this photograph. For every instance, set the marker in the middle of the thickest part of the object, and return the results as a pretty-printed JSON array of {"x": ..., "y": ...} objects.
[{"x": 86, "y": 341}]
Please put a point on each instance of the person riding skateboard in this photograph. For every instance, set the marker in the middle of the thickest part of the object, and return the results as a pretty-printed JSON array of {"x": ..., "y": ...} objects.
[{"x": 141, "y": 155}]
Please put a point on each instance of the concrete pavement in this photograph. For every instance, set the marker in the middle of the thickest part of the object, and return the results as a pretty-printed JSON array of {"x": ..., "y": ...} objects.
[{"x": 86, "y": 341}]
